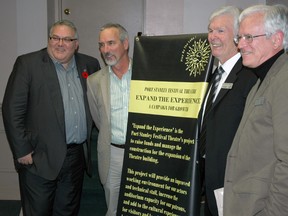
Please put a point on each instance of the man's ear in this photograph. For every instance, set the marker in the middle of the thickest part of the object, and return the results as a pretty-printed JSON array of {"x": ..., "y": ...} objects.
[
  {"x": 126, "y": 44},
  {"x": 277, "y": 39}
]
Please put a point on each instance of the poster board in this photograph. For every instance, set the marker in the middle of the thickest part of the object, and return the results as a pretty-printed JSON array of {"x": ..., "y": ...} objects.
[{"x": 161, "y": 170}]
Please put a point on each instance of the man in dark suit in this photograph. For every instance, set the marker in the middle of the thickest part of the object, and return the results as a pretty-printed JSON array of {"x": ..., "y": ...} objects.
[
  {"x": 48, "y": 123},
  {"x": 220, "y": 122}
]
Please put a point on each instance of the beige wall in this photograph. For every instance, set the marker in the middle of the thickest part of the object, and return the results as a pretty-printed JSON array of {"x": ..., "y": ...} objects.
[
  {"x": 184, "y": 16},
  {"x": 8, "y": 40},
  {"x": 8, "y": 46},
  {"x": 23, "y": 27},
  {"x": 9, "y": 189}
]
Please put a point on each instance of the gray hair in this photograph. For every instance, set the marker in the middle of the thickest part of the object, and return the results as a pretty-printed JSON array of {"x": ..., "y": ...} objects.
[
  {"x": 123, "y": 34},
  {"x": 275, "y": 19},
  {"x": 65, "y": 23},
  {"x": 232, "y": 11}
]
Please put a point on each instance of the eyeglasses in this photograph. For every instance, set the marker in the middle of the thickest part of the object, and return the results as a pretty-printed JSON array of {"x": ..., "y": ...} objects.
[
  {"x": 247, "y": 37},
  {"x": 66, "y": 40}
]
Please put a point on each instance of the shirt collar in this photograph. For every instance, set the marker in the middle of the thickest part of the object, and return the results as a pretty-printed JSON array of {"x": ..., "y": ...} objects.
[
  {"x": 71, "y": 63},
  {"x": 229, "y": 64}
]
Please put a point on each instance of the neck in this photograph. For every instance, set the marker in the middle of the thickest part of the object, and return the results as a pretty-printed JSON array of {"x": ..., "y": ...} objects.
[{"x": 122, "y": 67}]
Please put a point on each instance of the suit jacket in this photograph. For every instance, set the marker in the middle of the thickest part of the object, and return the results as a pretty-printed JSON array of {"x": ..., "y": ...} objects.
[
  {"x": 98, "y": 93},
  {"x": 256, "y": 179},
  {"x": 221, "y": 125},
  {"x": 33, "y": 112}
]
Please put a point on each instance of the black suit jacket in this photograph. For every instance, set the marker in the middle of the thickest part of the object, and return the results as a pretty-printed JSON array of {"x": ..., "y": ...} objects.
[
  {"x": 222, "y": 123},
  {"x": 33, "y": 112}
]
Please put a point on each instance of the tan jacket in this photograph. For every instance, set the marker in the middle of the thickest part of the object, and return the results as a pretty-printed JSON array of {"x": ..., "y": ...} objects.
[
  {"x": 98, "y": 93},
  {"x": 256, "y": 179}
]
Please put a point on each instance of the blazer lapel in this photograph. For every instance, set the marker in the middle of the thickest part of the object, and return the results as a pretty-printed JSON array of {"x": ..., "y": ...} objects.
[
  {"x": 51, "y": 79},
  {"x": 105, "y": 88},
  {"x": 81, "y": 67},
  {"x": 232, "y": 77}
]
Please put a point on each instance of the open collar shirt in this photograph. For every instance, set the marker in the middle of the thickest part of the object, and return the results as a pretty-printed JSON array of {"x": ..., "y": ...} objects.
[{"x": 120, "y": 93}]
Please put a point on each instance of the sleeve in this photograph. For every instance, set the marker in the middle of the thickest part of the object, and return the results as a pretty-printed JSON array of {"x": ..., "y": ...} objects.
[
  {"x": 92, "y": 100},
  {"x": 278, "y": 191},
  {"x": 14, "y": 109}
]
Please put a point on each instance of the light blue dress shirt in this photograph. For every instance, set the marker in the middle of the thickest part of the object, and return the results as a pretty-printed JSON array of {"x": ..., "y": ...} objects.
[{"x": 120, "y": 93}]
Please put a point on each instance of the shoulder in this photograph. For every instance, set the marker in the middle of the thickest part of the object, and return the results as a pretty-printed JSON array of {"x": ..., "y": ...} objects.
[
  {"x": 32, "y": 60},
  {"x": 244, "y": 72},
  {"x": 90, "y": 63},
  {"x": 282, "y": 61},
  {"x": 279, "y": 69},
  {"x": 34, "y": 55},
  {"x": 103, "y": 73},
  {"x": 244, "y": 78},
  {"x": 84, "y": 57}
]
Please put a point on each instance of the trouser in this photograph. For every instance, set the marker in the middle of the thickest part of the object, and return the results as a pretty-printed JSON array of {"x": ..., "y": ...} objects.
[
  {"x": 112, "y": 186},
  {"x": 42, "y": 197}
]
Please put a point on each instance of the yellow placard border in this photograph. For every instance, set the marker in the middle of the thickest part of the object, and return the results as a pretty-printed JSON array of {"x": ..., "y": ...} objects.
[{"x": 176, "y": 99}]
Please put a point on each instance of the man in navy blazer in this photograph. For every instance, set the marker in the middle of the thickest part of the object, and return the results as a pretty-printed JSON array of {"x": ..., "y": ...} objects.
[
  {"x": 223, "y": 118},
  {"x": 48, "y": 123}
]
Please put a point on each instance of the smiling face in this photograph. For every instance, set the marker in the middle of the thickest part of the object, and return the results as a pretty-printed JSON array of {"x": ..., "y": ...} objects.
[
  {"x": 220, "y": 36},
  {"x": 62, "y": 50},
  {"x": 111, "y": 47},
  {"x": 260, "y": 49}
]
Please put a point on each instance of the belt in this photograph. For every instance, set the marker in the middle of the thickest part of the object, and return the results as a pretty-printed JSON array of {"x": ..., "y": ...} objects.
[
  {"x": 118, "y": 145},
  {"x": 73, "y": 145}
]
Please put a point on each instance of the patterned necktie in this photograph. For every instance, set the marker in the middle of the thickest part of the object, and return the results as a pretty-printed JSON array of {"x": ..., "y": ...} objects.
[{"x": 209, "y": 103}]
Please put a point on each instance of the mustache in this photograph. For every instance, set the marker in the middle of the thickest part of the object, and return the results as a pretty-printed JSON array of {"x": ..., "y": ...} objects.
[
  {"x": 108, "y": 54},
  {"x": 243, "y": 51}
]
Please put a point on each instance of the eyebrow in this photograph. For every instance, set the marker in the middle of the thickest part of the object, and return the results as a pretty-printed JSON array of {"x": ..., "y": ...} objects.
[{"x": 54, "y": 35}]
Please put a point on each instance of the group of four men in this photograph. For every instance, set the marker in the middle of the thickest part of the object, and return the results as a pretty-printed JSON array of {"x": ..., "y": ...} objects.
[{"x": 53, "y": 94}]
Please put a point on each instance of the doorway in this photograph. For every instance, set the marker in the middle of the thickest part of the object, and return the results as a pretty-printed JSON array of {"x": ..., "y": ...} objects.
[{"x": 90, "y": 15}]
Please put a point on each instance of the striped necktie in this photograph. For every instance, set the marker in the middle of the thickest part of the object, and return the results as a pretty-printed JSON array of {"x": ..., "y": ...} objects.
[{"x": 209, "y": 103}]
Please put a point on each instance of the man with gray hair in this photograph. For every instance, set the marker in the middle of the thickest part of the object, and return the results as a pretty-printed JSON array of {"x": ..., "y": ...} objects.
[
  {"x": 108, "y": 95},
  {"x": 222, "y": 113},
  {"x": 256, "y": 179}
]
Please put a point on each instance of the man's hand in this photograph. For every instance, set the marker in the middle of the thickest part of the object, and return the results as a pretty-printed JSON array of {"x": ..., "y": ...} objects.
[{"x": 26, "y": 160}]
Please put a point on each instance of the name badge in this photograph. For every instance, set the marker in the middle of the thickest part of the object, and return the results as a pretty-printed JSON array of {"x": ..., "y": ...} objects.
[{"x": 227, "y": 86}]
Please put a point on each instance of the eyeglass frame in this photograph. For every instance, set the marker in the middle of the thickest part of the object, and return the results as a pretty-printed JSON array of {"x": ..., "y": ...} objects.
[
  {"x": 57, "y": 39},
  {"x": 247, "y": 37}
]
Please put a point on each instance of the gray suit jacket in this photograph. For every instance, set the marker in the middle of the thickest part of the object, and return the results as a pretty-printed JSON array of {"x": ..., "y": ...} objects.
[
  {"x": 256, "y": 178},
  {"x": 98, "y": 93},
  {"x": 33, "y": 112}
]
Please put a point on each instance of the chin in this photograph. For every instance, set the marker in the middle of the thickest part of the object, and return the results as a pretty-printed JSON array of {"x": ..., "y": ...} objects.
[
  {"x": 217, "y": 54},
  {"x": 111, "y": 62},
  {"x": 248, "y": 64}
]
